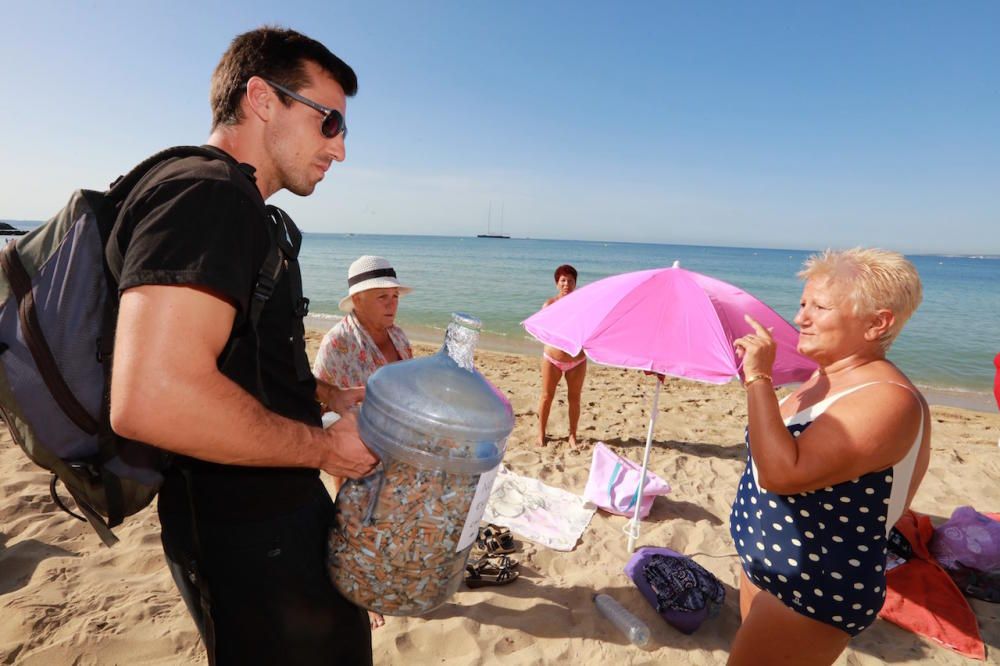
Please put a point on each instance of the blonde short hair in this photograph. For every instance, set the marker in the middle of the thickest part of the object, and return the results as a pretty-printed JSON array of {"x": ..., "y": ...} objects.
[{"x": 877, "y": 279}]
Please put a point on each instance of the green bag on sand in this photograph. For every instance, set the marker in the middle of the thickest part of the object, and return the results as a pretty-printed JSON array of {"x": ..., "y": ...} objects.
[{"x": 58, "y": 311}]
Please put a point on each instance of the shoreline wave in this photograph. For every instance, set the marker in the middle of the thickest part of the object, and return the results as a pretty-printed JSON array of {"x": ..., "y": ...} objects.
[{"x": 950, "y": 396}]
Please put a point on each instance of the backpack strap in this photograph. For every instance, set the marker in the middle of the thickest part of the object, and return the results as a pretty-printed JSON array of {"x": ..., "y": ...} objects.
[
  {"x": 282, "y": 256},
  {"x": 107, "y": 439},
  {"x": 267, "y": 279},
  {"x": 290, "y": 242},
  {"x": 107, "y": 444},
  {"x": 123, "y": 185},
  {"x": 41, "y": 353},
  {"x": 91, "y": 515}
]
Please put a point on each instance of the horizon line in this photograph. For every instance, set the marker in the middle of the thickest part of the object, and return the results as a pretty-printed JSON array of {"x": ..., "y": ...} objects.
[{"x": 946, "y": 254}]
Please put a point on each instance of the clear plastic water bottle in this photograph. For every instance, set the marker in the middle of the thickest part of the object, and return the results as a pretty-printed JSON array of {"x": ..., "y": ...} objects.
[
  {"x": 634, "y": 629},
  {"x": 403, "y": 534}
]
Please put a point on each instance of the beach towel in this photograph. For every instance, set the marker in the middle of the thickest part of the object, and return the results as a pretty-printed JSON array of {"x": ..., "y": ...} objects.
[
  {"x": 549, "y": 516},
  {"x": 921, "y": 597},
  {"x": 613, "y": 484}
]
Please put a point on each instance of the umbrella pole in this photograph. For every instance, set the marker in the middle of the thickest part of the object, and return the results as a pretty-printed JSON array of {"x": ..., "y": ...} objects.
[{"x": 633, "y": 526}]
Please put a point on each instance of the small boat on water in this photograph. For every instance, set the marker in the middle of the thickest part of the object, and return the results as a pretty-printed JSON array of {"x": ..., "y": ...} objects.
[{"x": 489, "y": 220}]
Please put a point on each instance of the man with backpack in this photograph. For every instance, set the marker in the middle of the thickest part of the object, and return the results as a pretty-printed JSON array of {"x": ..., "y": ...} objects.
[{"x": 244, "y": 514}]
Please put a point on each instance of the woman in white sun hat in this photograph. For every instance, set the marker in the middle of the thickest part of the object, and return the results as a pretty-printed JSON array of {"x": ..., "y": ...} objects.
[{"x": 366, "y": 338}]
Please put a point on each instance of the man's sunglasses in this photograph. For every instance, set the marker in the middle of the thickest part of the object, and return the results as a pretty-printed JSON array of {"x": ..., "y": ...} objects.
[{"x": 333, "y": 120}]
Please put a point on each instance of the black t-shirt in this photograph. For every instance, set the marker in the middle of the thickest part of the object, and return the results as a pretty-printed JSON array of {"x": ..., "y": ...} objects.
[{"x": 202, "y": 222}]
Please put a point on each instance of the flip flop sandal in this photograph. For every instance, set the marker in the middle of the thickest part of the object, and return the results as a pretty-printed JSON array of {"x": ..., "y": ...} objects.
[
  {"x": 494, "y": 543},
  {"x": 493, "y": 564},
  {"x": 495, "y": 546},
  {"x": 474, "y": 577},
  {"x": 497, "y": 530}
]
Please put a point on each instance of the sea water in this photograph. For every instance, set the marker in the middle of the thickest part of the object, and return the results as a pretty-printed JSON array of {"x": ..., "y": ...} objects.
[{"x": 948, "y": 345}]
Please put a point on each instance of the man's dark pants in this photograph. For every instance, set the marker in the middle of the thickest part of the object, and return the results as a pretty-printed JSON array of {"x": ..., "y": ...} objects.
[{"x": 265, "y": 586}]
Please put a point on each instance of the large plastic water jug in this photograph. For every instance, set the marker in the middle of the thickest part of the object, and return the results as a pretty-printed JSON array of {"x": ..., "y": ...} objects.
[{"x": 403, "y": 533}]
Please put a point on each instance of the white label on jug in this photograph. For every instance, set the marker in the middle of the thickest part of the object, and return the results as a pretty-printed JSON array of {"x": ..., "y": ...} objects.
[{"x": 471, "y": 529}]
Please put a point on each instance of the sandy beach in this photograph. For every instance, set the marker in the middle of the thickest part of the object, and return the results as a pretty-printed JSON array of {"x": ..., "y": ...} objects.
[{"x": 66, "y": 599}]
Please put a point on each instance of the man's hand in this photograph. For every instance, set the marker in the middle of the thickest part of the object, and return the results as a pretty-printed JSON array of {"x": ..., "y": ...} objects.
[{"x": 345, "y": 454}]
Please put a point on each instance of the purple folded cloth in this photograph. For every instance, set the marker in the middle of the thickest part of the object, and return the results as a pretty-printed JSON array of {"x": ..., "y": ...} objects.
[
  {"x": 683, "y": 592},
  {"x": 682, "y": 584}
]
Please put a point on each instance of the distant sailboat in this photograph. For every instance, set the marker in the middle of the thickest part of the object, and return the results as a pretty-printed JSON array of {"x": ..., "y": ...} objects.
[{"x": 489, "y": 221}]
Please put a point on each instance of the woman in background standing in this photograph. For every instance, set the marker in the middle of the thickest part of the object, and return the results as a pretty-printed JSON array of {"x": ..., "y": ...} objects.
[{"x": 556, "y": 363}]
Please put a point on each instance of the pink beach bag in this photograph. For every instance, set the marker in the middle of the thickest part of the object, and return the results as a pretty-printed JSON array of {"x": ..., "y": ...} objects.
[{"x": 613, "y": 484}]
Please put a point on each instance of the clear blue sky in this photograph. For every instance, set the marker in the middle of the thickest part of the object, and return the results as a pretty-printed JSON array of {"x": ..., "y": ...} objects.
[{"x": 795, "y": 124}]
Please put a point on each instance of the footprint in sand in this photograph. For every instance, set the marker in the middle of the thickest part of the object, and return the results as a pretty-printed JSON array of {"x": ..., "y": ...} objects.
[{"x": 511, "y": 644}]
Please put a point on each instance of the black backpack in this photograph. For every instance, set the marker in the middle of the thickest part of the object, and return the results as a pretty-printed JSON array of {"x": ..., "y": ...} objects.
[{"x": 58, "y": 311}]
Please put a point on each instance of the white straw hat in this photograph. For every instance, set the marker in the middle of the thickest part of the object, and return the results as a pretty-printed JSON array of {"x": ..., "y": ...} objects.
[{"x": 370, "y": 272}]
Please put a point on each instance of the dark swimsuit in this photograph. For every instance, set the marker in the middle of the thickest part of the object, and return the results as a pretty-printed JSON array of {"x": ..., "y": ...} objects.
[{"x": 822, "y": 552}]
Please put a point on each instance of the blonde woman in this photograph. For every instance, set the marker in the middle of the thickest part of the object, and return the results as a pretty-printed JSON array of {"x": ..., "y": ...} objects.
[{"x": 830, "y": 468}]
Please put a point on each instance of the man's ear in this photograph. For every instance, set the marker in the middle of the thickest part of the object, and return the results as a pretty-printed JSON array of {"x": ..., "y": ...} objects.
[
  {"x": 879, "y": 325},
  {"x": 259, "y": 100}
]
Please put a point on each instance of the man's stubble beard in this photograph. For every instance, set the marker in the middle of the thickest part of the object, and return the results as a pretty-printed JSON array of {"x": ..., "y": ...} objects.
[{"x": 285, "y": 169}]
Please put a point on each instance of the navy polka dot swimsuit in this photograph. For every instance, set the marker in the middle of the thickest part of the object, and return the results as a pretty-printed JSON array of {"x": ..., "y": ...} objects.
[{"x": 822, "y": 552}]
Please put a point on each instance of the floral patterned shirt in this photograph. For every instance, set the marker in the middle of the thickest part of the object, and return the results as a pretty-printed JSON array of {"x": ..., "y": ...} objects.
[{"x": 348, "y": 356}]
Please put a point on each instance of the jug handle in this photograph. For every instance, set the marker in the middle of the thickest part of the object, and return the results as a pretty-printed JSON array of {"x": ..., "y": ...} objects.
[{"x": 373, "y": 501}]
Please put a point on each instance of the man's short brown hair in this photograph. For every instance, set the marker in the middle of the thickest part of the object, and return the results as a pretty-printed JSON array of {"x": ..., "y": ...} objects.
[{"x": 275, "y": 54}]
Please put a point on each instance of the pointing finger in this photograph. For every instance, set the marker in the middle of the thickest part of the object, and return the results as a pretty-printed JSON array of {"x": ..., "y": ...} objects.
[{"x": 757, "y": 327}]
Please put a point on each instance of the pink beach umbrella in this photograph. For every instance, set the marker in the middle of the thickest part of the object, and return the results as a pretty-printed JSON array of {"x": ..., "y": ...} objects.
[{"x": 670, "y": 321}]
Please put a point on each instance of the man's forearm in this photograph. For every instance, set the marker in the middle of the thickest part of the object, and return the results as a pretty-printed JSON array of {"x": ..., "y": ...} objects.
[
  {"x": 212, "y": 418},
  {"x": 166, "y": 388}
]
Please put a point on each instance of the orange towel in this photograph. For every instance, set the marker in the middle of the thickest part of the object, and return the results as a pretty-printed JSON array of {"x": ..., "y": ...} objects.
[{"x": 921, "y": 596}]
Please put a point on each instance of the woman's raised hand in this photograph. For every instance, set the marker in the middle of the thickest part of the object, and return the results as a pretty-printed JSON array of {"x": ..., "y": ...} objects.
[{"x": 757, "y": 349}]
